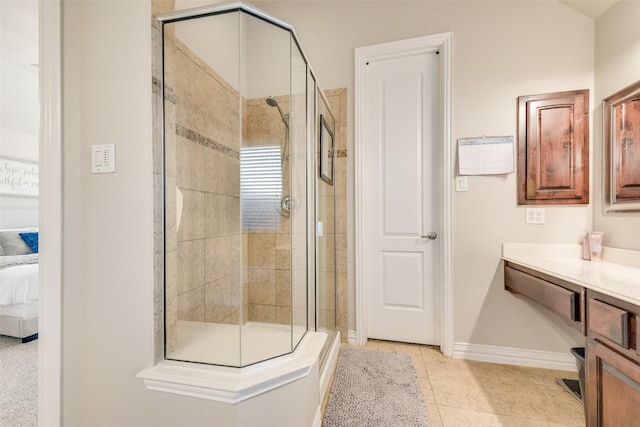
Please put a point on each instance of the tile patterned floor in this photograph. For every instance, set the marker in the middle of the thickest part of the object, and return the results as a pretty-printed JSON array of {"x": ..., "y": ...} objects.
[{"x": 467, "y": 393}]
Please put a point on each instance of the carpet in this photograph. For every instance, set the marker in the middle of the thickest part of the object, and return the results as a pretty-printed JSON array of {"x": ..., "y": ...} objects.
[
  {"x": 19, "y": 383},
  {"x": 374, "y": 388}
]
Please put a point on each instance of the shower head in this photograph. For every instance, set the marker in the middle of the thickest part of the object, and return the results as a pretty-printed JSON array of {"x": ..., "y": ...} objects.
[{"x": 272, "y": 102}]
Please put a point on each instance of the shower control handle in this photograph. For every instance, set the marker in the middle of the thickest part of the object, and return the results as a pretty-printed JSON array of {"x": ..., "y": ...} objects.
[{"x": 431, "y": 236}]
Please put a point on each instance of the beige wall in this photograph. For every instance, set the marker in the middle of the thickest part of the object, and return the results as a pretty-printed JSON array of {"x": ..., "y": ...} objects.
[
  {"x": 107, "y": 284},
  {"x": 499, "y": 53},
  {"x": 617, "y": 63}
]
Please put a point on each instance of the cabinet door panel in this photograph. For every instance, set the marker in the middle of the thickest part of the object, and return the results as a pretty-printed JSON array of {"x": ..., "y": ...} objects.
[
  {"x": 553, "y": 148},
  {"x": 613, "y": 388},
  {"x": 550, "y": 147},
  {"x": 628, "y": 149}
]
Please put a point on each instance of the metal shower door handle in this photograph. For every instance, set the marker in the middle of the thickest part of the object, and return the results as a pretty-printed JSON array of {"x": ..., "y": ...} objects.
[{"x": 431, "y": 236}]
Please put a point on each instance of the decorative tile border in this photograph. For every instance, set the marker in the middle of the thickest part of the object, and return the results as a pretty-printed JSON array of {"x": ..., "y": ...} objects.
[
  {"x": 169, "y": 94},
  {"x": 207, "y": 142}
]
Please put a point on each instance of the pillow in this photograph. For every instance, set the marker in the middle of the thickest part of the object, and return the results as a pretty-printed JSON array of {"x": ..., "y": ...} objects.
[
  {"x": 12, "y": 243},
  {"x": 31, "y": 239}
]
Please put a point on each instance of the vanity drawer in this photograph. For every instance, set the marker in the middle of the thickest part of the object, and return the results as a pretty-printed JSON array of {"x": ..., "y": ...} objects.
[
  {"x": 564, "y": 302},
  {"x": 609, "y": 322}
]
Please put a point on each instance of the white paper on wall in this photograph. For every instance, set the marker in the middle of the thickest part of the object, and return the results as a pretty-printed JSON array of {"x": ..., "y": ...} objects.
[{"x": 485, "y": 155}]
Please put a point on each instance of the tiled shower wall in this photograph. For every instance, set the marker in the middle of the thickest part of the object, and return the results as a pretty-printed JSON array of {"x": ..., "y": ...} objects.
[
  {"x": 269, "y": 250},
  {"x": 202, "y": 170},
  {"x": 202, "y": 154}
]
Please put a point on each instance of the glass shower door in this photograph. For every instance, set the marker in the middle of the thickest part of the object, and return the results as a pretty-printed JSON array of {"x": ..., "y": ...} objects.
[{"x": 234, "y": 189}]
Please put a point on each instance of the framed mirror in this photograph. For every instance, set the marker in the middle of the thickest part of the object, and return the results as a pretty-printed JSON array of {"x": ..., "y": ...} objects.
[
  {"x": 621, "y": 124},
  {"x": 326, "y": 151}
]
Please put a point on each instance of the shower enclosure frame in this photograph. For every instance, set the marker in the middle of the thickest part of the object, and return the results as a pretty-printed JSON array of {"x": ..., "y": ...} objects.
[{"x": 311, "y": 143}]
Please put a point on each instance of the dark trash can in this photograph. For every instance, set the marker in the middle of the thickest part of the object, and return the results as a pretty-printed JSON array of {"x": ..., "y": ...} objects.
[{"x": 578, "y": 353}]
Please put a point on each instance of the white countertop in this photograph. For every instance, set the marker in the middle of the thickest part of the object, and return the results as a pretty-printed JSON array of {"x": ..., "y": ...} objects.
[{"x": 617, "y": 276}]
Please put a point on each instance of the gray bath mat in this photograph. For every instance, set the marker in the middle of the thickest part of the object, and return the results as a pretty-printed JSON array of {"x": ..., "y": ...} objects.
[{"x": 374, "y": 388}]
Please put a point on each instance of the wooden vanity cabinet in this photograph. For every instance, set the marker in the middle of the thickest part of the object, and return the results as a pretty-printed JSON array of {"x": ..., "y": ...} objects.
[
  {"x": 612, "y": 397},
  {"x": 564, "y": 298},
  {"x": 613, "y": 362}
]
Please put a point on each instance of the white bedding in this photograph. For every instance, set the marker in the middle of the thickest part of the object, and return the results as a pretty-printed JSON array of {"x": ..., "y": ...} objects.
[
  {"x": 19, "y": 284},
  {"x": 22, "y": 311}
]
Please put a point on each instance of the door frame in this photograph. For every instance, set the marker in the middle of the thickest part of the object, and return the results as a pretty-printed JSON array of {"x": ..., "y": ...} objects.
[
  {"x": 442, "y": 43},
  {"x": 50, "y": 215}
]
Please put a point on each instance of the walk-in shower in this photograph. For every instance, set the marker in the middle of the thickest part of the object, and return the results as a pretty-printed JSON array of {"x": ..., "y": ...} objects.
[{"x": 246, "y": 272}]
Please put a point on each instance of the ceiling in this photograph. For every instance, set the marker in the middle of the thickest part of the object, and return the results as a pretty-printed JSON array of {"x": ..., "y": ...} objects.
[{"x": 592, "y": 8}]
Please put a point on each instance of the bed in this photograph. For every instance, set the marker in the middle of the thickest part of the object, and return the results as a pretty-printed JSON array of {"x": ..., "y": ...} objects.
[{"x": 19, "y": 283}]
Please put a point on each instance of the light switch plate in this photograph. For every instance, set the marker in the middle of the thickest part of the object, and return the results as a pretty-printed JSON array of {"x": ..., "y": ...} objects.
[
  {"x": 462, "y": 184},
  {"x": 103, "y": 158},
  {"x": 534, "y": 215}
]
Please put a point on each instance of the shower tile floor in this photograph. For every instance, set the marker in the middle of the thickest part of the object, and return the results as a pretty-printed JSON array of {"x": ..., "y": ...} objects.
[
  {"x": 220, "y": 344},
  {"x": 479, "y": 394}
]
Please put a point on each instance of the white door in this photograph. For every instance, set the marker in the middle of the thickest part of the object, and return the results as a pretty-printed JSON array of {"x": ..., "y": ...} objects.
[{"x": 400, "y": 171}]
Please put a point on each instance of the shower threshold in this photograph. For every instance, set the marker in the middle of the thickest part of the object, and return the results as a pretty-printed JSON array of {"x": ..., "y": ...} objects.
[
  {"x": 236, "y": 385},
  {"x": 224, "y": 344}
]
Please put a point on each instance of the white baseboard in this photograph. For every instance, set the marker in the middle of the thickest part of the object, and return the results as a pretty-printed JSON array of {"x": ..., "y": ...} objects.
[
  {"x": 351, "y": 337},
  {"x": 506, "y": 355},
  {"x": 515, "y": 356},
  {"x": 317, "y": 419}
]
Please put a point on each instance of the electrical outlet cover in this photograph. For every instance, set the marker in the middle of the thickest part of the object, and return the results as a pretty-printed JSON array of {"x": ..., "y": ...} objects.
[{"x": 534, "y": 216}]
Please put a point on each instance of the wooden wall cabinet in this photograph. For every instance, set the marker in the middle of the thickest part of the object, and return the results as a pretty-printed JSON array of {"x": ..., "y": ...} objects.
[{"x": 553, "y": 148}]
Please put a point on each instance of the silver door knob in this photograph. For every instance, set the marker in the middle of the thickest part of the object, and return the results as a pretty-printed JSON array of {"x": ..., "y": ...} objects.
[{"x": 431, "y": 236}]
